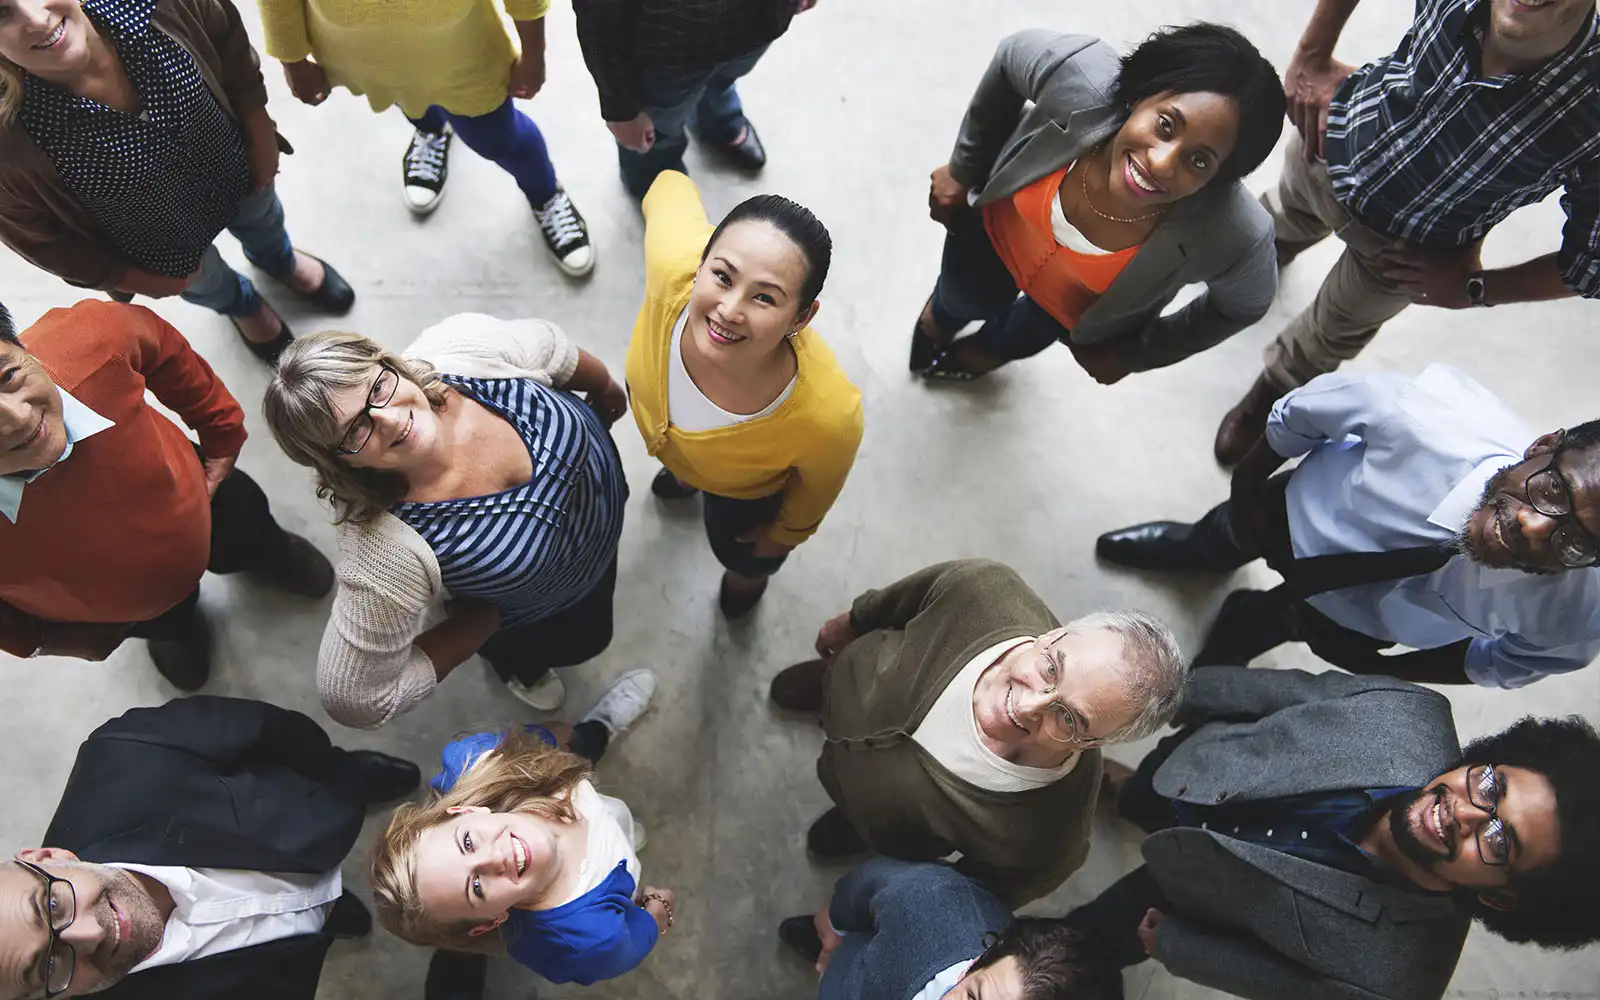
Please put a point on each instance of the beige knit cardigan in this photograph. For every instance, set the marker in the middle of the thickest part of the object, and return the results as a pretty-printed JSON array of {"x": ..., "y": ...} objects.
[{"x": 389, "y": 588}]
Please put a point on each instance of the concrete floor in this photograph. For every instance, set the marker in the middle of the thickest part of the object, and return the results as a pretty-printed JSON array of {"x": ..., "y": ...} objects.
[{"x": 856, "y": 105}]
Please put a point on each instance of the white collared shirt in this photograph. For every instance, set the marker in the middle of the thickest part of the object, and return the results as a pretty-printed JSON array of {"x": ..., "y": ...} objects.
[
  {"x": 1394, "y": 462},
  {"x": 81, "y": 422},
  {"x": 945, "y": 981},
  {"x": 218, "y": 910}
]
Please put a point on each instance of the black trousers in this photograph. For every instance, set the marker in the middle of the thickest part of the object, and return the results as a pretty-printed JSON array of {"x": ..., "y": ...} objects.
[
  {"x": 1252, "y": 623},
  {"x": 565, "y": 639},
  {"x": 1111, "y": 920},
  {"x": 245, "y": 538}
]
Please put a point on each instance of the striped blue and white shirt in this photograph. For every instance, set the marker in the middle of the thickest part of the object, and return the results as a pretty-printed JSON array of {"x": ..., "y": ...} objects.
[
  {"x": 1421, "y": 146},
  {"x": 538, "y": 548}
]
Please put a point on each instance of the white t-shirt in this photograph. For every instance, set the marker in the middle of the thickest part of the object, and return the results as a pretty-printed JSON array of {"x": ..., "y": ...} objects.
[
  {"x": 222, "y": 909},
  {"x": 610, "y": 838},
  {"x": 949, "y": 733},
  {"x": 689, "y": 409}
]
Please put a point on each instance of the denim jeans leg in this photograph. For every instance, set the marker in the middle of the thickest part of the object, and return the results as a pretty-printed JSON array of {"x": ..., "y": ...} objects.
[
  {"x": 1021, "y": 331},
  {"x": 974, "y": 283},
  {"x": 719, "y": 115},
  {"x": 222, "y": 289},
  {"x": 668, "y": 100},
  {"x": 259, "y": 229}
]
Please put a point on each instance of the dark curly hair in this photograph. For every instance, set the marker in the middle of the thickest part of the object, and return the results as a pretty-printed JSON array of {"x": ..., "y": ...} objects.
[
  {"x": 1055, "y": 960},
  {"x": 1557, "y": 905},
  {"x": 8, "y": 329},
  {"x": 1213, "y": 59}
]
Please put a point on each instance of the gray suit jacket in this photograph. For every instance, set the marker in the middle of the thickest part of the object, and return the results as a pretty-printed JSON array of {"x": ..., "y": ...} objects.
[
  {"x": 1265, "y": 925},
  {"x": 1220, "y": 236}
]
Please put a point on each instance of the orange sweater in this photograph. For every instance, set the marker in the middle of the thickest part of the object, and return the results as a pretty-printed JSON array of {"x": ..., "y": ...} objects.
[
  {"x": 1064, "y": 282},
  {"x": 121, "y": 530}
]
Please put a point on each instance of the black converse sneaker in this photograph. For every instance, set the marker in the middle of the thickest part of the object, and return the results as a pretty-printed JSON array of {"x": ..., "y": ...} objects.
[
  {"x": 426, "y": 164},
  {"x": 566, "y": 234}
]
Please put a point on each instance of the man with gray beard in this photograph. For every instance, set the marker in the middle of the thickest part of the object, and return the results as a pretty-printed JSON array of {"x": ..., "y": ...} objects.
[
  {"x": 194, "y": 856},
  {"x": 1428, "y": 534}
]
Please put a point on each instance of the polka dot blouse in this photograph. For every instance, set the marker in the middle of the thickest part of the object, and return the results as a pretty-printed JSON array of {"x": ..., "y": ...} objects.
[{"x": 163, "y": 182}]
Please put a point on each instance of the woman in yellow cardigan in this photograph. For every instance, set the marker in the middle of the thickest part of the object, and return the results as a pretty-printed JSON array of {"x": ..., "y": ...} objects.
[
  {"x": 453, "y": 68},
  {"x": 732, "y": 389}
]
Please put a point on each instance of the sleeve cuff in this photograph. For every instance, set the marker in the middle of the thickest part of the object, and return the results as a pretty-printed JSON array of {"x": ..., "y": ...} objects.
[
  {"x": 1283, "y": 441},
  {"x": 224, "y": 442}
]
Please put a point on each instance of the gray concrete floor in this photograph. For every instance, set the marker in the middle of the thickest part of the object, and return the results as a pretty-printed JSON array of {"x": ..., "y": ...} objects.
[{"x": 856, "y": 105}]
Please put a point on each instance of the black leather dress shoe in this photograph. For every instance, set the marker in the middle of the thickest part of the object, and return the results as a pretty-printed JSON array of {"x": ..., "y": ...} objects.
[
  {"x": 666, "y": 486},
  {"x": 747, "y": 153},
  {"x": 334, "y": 295},
  {"x": 301, "y": 569},
  {"x": 833, "y": 838},
  {"x": 455, "y": 975},
  {"x": 384, "y": 778},
  {"x": 185, "y": 660},
  {"x": 800, "y": 933},
  {"x": 1152, "y": 545},
  {"x": 349, "y": 918}
]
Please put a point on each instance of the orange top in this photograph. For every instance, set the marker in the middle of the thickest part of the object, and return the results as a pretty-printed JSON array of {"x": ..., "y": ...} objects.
[{"x": 1063, "y": 281}]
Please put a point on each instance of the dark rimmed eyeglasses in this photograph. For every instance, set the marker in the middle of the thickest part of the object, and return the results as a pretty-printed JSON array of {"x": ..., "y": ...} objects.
[
  {"x": 1548, "y": 494},
  {"x": 59, "y": 904},
  {"x": 1483, "y": 790},
  {"x": 359, "y": 433}
]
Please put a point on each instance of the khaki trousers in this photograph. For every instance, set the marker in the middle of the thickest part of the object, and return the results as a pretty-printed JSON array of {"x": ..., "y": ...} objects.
[{"x": 1355, "y": 298}]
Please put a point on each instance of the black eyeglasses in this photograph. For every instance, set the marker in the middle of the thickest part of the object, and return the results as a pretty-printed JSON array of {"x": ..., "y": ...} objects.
[
  {"x": 384, "y": 385},
  {"x": 1483, "y": 789},
  {"x": 60, "y": 901},
  {"x": 1548, "y": 494}
]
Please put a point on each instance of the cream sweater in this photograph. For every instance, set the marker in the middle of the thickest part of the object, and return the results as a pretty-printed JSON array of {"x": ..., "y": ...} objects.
[{"x": 389, "y": 586}]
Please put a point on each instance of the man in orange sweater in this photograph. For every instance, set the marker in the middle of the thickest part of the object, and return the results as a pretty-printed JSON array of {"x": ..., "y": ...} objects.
[{"x": 109, "y": 514}]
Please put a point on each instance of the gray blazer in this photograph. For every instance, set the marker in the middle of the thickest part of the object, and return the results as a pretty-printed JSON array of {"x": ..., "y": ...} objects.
[
  {"x": 1220, "y": 236},
  {"x": 1265, "y": 925},
  {"x": 904, "y": 924}
]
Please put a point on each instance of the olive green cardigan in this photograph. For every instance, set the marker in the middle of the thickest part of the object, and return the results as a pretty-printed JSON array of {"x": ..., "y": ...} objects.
[{"x": 915, "y": 636}]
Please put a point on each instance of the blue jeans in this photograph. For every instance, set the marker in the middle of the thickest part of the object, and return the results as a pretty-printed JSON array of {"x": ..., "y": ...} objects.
[
  {"x": 974, "y": 285},
  {"x": 507, "y": 137},
  {"x": 259, "y": 229},
  {"x": 706, "y": 102}
]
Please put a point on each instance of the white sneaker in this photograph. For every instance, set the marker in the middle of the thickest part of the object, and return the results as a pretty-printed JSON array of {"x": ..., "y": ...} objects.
[
  {"x": 546, "y": 694},
  {"x": 639, "y": 837},
  {"x": 620, "y": 707},
  {"x": 425, "y": 167}
]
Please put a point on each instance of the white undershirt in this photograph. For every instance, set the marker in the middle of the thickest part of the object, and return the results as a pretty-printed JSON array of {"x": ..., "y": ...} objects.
[
  {"x": 610, "y": 838},
  {"x": 218, "y": 910},
  {"x": 1065, "y": 232},
  {"x": 949, "y": 733},
  {"x": 689, "y": 409},
  {"x": 945, "y": 981}
]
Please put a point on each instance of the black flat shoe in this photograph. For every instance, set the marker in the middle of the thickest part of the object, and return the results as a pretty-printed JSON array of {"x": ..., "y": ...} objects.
[
  {"x": 1158, "y": 545},
  {"x": 800, "y": 933},
  {"x": 186, "y": 660},
  {"x": 833, "y": 838},
  {"x": 945, "y": 368},
  {"x": 383, "y": 778},
  {"x": 746, "y": 153},
  {"x": 666, "y": 486},
  {"x": 334, "y": 295},
  {"x": 272, "y": 349},
  {"x": 455, "y": 975}
]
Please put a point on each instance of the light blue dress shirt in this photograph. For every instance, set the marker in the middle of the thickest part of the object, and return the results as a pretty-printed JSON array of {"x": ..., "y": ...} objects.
[
  {"x": 81, "y": 422},
  {"x": 1393, "y": 462}
]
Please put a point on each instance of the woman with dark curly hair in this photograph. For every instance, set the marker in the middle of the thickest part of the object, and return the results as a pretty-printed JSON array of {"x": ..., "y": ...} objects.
[{"x": 1078, "y": 218}]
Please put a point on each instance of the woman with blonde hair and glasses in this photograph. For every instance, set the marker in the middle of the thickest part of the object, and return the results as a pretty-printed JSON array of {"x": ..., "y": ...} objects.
[
  {"x": 518, "y": 852},
  {"x": 465, "y": 468}
]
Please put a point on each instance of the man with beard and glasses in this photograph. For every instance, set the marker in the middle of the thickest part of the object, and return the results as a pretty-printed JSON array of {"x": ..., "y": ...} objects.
[
  {"x": 1424, "y": 515},
  {"x": 1325, "y": 837},
  {"x": 194, "y": 856}
]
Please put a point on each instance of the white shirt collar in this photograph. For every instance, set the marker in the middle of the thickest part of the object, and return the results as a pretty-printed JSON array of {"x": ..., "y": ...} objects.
[
  {"x": 1462, "y": 500},
  {"x": 81, "y": 422}
]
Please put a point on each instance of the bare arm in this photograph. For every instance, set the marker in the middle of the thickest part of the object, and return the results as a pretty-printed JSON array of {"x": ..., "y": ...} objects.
[
  {"x": 453, "y": 641},
  {"x": 1313, "y": 74}
]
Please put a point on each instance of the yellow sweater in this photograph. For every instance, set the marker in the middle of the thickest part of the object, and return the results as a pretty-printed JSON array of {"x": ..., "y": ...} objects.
[
  {"x": 804, "y": 449},
  {"x": 453, "y": 53}
]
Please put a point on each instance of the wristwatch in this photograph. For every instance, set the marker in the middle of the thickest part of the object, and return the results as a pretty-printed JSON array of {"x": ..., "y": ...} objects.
[{"x": 1476, "y": 292}]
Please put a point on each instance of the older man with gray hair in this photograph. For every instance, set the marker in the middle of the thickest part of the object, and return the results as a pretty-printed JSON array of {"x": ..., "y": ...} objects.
[{"x": 961, "y": 716}]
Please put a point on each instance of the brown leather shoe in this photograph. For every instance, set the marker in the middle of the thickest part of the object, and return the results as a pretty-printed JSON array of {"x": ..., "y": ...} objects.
[
  {"x": 1245, "y": 423},
  {"x": 799, "y": 688},
  {"x": 303, "y": 570}
]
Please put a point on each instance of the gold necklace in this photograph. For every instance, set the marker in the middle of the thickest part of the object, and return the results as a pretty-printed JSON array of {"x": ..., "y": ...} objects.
[{"x": 1084, "y": 176}]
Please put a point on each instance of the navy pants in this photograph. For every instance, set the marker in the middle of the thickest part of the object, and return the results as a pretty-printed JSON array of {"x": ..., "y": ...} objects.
[
  {"x": 509, "y": 138},
  {"x": 975, "y": 286}
]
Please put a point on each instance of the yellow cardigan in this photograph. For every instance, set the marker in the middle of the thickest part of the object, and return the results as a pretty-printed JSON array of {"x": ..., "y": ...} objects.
[
  {"x": 453, "y": 53},
  {"x": 804, "y": 449}
]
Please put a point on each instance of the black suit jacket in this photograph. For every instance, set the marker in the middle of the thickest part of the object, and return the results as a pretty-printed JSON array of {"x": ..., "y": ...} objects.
[{"x": 209, "y": 782}]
